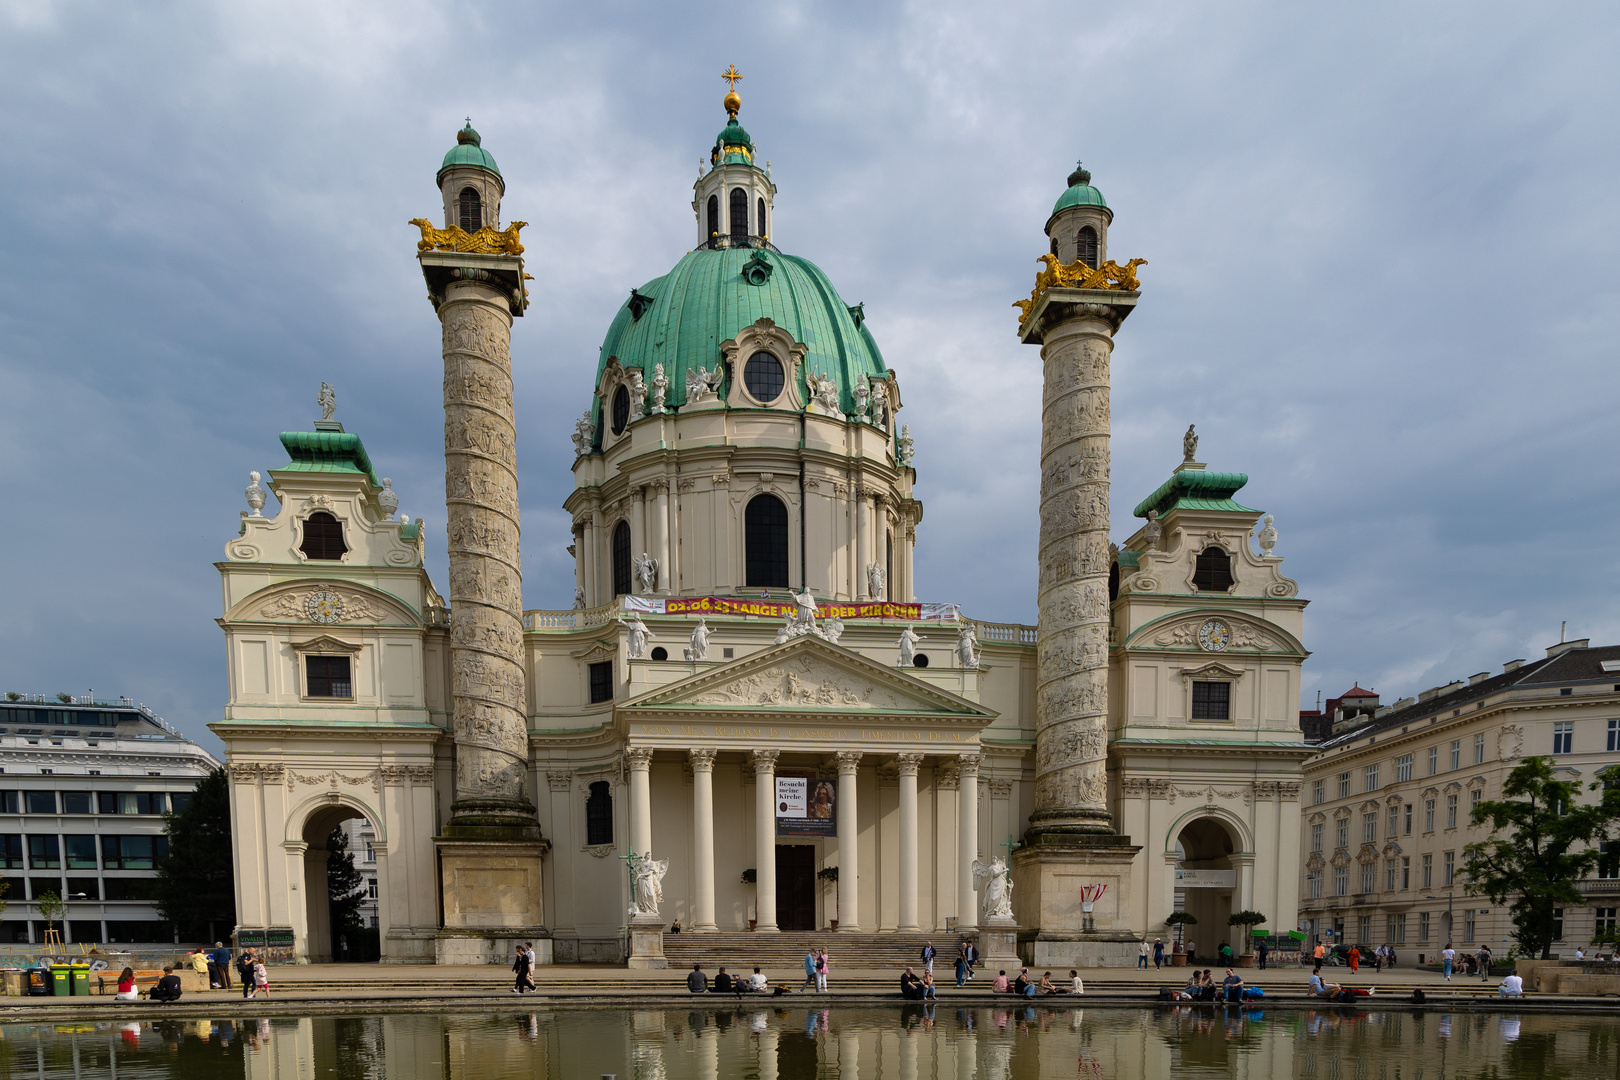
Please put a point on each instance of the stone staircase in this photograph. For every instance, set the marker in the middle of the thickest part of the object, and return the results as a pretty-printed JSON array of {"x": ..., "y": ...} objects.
[{"x": 785, "y": 951}]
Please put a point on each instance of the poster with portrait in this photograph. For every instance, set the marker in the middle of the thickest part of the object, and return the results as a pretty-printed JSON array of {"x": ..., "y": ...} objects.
[{"x": 806, "y": 806}]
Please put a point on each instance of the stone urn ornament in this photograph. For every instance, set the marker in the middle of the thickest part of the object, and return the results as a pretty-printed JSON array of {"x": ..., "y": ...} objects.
[{"x": 254, "y": 494}]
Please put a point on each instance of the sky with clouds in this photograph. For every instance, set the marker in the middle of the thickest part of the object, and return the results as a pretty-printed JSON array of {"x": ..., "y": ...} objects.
[{"x": 1382, "y": 281}]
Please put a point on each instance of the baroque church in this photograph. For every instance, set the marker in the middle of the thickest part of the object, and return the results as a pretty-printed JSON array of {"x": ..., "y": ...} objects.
[{"x": 749, "y": 720}]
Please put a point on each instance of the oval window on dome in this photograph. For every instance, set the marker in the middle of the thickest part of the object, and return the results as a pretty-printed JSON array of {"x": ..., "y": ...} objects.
[
  {"x": 621, "y": 409},
  {"x": 763, "y": 377}
]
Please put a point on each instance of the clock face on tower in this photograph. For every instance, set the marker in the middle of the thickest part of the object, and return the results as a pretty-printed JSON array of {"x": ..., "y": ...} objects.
[
  {"x": 1214, "y": 636},
  {"x": 324, "y": 607}
]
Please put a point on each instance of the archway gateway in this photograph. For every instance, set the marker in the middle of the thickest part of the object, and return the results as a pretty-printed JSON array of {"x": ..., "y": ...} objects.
[
  {"x": 1207, "y": 879},
  {"x": 324, "y": 938}
]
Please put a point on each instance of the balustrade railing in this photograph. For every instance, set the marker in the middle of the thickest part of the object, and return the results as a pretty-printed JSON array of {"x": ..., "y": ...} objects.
[{"x": 576, "y": 619}]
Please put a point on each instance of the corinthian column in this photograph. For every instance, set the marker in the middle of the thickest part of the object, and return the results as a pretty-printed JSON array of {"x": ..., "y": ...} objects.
[
  {"x": 486, "y": 578},
  {"x": 1071, "y": 704}
]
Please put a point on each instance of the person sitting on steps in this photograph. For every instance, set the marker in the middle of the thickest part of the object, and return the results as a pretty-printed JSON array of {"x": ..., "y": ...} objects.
[{"x": 168, "y": 987}]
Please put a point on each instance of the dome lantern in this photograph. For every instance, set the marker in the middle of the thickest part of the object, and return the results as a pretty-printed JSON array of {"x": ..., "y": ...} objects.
[
  {"x": 1078, "y": 227},
  {"x": 471, "y": 183},
  {"x": 733, "y": 197}
]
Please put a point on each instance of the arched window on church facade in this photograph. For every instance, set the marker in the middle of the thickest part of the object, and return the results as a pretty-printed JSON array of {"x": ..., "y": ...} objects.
[
  {"x": 621, "y": 558},
  {"x": 471, "y": 210},
  {"x": 599, "y": 814},
  {"x": 1113, "y": 582},
  {"x": 1213, "y": 572},
  {"x": 760, "y": 217},
  {"x": 714, "y": 219},
  {"x": 739, "y": 215},
  {"x": 323, "y": 537},
  {"x": 1086, "y": 246},
  {"x": 765, "y": 542}
]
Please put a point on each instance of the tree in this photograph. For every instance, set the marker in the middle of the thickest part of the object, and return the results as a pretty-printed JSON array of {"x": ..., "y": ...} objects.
[
  {"x": 50, "y": 909},
  {"x": 196, "y": 884},
  {"x": 345, "y": 887},
  {"x": 1245, "y": 919},
  {"x": 1178, "y": 919},
  {"x": 1543, "y": 840}
]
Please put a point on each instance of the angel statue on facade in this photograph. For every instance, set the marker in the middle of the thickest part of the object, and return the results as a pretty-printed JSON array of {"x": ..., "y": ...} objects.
[
  {"x": 584, "y": 434},
  {"x": 832, "y": 629},
  {"x": 579, "y": 598},
  {"x": 638, "y": 394},
  {"x": 636, "y": 636},
  {"x": 660, "y": 387},
  {"x": 825, "y": 390},
  {"x": 647, "y": 874},
  {"x": 908, "y": 647},
  {"x": 992, "y": 881},
  {"x": 1189, "y": 444},
  {"x": 327, "y": 401},
  {"x": 700, "y": 641},
  {"x": 701, "y": 383},
  {"x": 967, "y": 644},
  {"x": 646, "y": 570},
  {"x": 874, "y": 581}
]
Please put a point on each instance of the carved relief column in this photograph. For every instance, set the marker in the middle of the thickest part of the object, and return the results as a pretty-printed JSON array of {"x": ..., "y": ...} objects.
[
  {"x": 640, "y": 759},
  {"x": 849, "y": 893},
  {"x": 967, "y": 840},
  {"x": 907, "y": 764},
  {"x": 703, "y": 837},
  {"x": 661, "y": 536},
  {"x": 765, "y": 839}
]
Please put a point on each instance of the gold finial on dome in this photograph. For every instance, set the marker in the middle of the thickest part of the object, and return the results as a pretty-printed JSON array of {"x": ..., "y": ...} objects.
[{"x": 731, "y": 101}]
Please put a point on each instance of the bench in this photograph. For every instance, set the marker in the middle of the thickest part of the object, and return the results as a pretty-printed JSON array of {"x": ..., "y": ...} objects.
[{"x": 144, "y": 980}]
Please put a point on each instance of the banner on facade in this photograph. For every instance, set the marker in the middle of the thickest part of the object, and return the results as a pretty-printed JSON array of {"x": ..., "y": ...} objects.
[
  {"x": 806, "y": 806},
  {"x": 778, "y": 609}
]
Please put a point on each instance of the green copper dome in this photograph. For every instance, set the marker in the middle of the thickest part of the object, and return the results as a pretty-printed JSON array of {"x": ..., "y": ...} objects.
[
  {"x": 709, "y": 296},
  {"x": 1080, "y": 193},
  {"x": 467, "y": 151}
]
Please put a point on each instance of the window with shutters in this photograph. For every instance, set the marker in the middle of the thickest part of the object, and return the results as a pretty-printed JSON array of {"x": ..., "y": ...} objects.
[
  {"x": 471, "y": 210},
  {"x": 1086, "y": 245},
  {"x": 599, "y": 814},
  {"x": 323, "y": 537},
  {"x": 739, "y": 215},
  {"x": 621, "y": 558},
  {"x": 1213, "y": 570},
  {"x": 765, "y": 542}
]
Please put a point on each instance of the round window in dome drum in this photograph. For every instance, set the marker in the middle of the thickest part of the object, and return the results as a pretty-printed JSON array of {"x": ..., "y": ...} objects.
[
  {"x": 621, "y": 409},
  {"x": 763, "y": 377}
]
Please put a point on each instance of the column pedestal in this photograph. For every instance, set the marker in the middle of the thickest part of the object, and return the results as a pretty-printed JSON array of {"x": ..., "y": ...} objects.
[
  {"x": 998, "y": 944},
  {"x": 1047, "y": 879},
  {"x": 492, "y": 901},
  {"x": 646, "y": 943}
]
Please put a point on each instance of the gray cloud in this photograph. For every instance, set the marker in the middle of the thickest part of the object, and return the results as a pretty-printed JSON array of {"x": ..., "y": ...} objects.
[{"x": 1382, "y": 281}]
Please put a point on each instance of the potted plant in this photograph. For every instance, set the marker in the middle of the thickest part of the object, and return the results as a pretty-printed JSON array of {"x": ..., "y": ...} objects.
[
  {"x": 829, "y": 874},
  {"x": 1247, "y": 920},
  {"x": 751, "y": 877},
  {"x": 1178, "y": 919}
]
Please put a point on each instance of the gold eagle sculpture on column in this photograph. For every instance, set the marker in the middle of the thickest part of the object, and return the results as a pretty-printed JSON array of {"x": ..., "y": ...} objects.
[
  {"x": 1077, "y": 275},
  {"x": 486, "y": 241}
]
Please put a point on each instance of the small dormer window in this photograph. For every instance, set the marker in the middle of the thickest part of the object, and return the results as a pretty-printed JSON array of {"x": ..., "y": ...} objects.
[
  {"x": 739, "y": 215},
  {"x": 714, "y": 219},
  {"x": 1213, "y": 572},
  {"x": 471, "y": 210},
  {"x": 1086, "y": 246},
  {"x": 323, "y": 537}
]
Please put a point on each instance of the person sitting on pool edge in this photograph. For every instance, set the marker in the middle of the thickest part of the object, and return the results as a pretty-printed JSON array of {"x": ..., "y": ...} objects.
[{"x": 167, "y": 988}]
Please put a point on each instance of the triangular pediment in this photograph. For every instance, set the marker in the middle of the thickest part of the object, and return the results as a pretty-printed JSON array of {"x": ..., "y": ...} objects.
[{"x": 807, "y": 676}]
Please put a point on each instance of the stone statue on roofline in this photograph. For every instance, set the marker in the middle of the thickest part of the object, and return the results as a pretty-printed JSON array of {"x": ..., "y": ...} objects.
[
  {"x": 327, "y": 401},
  {"x": 1189, "y": 445},
  {"x": 636, "y": 635},
  {"x": 699, "y": 649},
  {"x": 967, "y": 645},
  {"x": 908, "y": 647}
]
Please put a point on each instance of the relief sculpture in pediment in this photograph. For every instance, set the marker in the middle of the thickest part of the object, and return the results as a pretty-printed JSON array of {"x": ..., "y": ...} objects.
[{"x": 813, "y": 685}]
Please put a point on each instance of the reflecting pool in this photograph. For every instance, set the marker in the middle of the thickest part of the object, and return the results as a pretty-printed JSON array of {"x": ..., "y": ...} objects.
[{"x": 908, "y": 1043}]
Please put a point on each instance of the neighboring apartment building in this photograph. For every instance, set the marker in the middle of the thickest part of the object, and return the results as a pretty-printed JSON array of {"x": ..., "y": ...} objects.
[
  {"x": 363, "y": 849},
  {"x": 1387, "y": 801},
  {"x": 84, "y": 785}
]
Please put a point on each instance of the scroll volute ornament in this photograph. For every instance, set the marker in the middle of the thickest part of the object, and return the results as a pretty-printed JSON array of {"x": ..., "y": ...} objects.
[
  {"x": 1077, "y": 275},
  {"x": 486, "y": 241}
]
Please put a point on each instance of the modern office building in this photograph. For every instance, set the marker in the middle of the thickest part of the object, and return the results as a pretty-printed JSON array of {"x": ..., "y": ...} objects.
[
  {"x": 84, "y": 785},
  {"x": 1389, "y": 797}
]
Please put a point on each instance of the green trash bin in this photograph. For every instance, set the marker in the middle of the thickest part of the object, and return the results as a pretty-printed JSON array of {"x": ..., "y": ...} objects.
[
  {"x": 81, "y": 980},
  {"x": 61, "y": 980}
]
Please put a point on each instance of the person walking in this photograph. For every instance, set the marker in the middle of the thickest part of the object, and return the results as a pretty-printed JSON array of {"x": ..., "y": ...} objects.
[
  {"x": 809, "y": 971},
  {"x": 972, "y": 957},
  {"x": 520, "y": 967},
  {"x": 244, "y": 968},
  {"x": 928, "y": 957},
  {"x": 1448, "y": 957},
  {"x": 1142, "y": 951},
  {"x": 1158, "y": 953},
  {"x": 261, "y": 978},
  {"x": 1484, "y": 958},
  {"x": 1354, "y": 956},
  {"x": 961, "y": 966},
  {"x": 1261, "y": 952},
  {"x": 222, "y": 961}
]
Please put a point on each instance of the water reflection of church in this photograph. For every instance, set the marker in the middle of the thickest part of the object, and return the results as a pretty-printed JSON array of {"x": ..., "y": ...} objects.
[{"x": 742, "y": 442}]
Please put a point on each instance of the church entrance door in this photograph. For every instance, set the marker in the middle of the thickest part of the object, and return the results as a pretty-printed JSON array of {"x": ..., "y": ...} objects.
[{"x": 796, "y": 887}]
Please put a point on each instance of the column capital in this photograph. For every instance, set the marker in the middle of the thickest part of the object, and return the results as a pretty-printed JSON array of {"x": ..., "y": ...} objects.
[
  {"x": 639, "y": 757},
  {"x": 907, "y": 763},
  {"x": 968, "y": 764},
  {"x": 765, "y": 760},
  {"x": 702, "y": 758},
  {"x": 848, "y": 761}
]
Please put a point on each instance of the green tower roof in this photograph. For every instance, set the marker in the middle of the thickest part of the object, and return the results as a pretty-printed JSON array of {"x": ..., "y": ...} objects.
[
  {"x": 1191, "y": 489},
  {"x": 327, "y": 452},
  {"x": 1080, "y": 193},
  {"x": 468, "y": 151},
  {"x": 706, "y": 299}
]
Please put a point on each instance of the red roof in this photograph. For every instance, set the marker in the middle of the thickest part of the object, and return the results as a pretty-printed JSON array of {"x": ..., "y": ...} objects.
[{"x": 1357, "y": 691}]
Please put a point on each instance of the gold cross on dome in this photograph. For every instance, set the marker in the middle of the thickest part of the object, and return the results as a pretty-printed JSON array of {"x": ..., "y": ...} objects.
[{"x": 730, "y": 75}]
